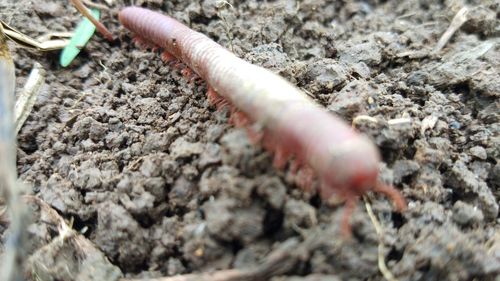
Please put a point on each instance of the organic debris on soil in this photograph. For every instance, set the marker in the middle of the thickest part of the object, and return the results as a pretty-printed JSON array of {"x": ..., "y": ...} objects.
[{"x": 160, "y": 183}]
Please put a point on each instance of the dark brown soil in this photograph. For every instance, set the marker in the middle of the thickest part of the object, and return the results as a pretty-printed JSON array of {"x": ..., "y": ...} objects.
[{"x": 158, "y": 181}]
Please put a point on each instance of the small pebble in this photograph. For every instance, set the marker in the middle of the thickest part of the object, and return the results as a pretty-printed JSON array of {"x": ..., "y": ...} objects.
[
  {"x": 478, "y": 152},
  {"x": 465, "y": 214}
]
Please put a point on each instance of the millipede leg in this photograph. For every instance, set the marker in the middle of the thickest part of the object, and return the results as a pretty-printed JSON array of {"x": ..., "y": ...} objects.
[
  {"x": 281, "y": 157},
  {"x": 392, "y": 193},
  {"x": 216, "y": 100},
  {"x": 143, "y": 44},
  {"x": 305, "y": 178},
  {"x": 350, "y": 206},
  {"x": 295, "y": 165},
  {"x": 254, "y": 135},
  {"x": 167, "y": 57},
  {"x": 238, "y": 118}
]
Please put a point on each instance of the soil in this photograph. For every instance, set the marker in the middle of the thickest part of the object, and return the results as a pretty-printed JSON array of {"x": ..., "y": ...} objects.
[{"x": 131, "y": 152}]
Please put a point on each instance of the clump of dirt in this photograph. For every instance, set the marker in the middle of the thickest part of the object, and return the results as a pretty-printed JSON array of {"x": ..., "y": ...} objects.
[{"x": 161, "y": 184}]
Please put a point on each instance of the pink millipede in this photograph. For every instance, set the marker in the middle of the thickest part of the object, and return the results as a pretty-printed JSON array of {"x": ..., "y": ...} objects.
[{"x": 292, "y": 125}]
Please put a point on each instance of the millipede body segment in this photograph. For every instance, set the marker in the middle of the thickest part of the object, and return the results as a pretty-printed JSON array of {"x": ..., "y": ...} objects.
[{"x": 292, "y": 125}]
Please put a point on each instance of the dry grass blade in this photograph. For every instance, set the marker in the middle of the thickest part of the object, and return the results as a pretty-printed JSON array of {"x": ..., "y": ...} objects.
[
  {"x": 26, "y": 100},
  {"x": 50, "y": 36},
  {"x": 69, "y": 256},
  {"x": 459, "y": 19},
  {"x": 28, "y": 42}
]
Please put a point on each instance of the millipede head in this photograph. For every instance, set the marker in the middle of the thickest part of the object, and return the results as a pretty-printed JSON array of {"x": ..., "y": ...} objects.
[
  {"x": 351, "y": 172},
  {"x": 351, "y": 201}
]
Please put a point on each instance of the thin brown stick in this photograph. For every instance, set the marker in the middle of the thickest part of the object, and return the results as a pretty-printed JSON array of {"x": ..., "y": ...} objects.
[
  {"x": 99, "y": 26},
  {"x": 278, "y": 262},
  {"x": 222, "y": 275}
]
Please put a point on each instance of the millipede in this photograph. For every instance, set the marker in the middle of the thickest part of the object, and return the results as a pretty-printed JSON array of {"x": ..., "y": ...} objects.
[{"x": 275, "y": 113}]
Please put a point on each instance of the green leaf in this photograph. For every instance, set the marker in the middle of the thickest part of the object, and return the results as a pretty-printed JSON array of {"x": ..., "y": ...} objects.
[{"x": 82, "y": 35}]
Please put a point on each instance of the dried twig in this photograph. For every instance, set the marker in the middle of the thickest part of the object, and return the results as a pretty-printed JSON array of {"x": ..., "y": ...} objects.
[
  {"x": 399, "y": 121},
  {"x": 360, "y": 119},
  {"x": 27, "y": 99},
  {"x": 459, "y": 19},
  {"x": 363, "y": 118},
  {"x": 12, "y": 258}
]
